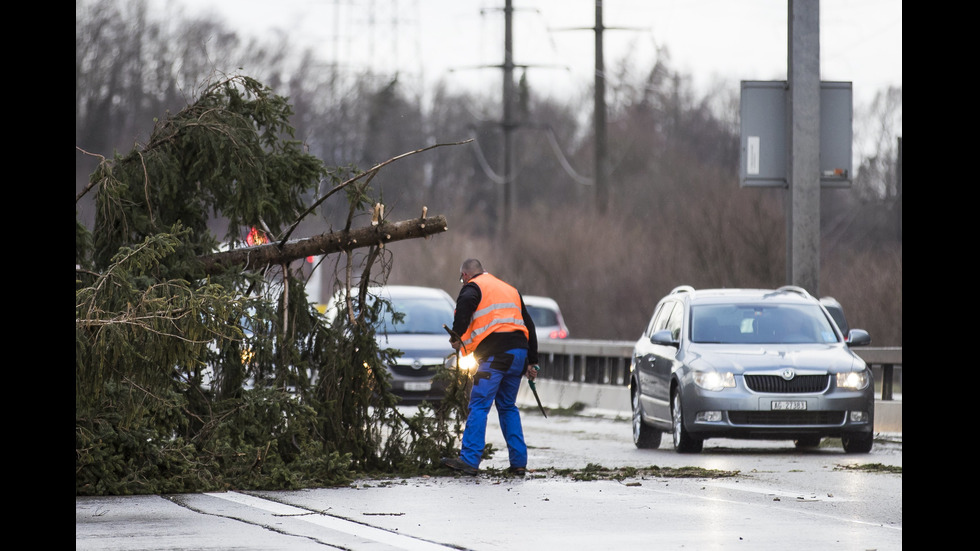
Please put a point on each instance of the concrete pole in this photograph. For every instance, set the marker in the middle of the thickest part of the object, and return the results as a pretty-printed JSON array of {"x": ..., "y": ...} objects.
[
  {"x": 509, "y": 125},
  {"x": 803, "y": 208},
  {"x": 599, "y": 118}
]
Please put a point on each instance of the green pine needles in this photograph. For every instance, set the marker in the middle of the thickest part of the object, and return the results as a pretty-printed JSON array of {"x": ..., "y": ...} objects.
[{"x": 189, "y": 382}]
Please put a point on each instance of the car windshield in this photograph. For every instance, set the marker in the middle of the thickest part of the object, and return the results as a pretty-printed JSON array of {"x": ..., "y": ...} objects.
[
  {"x": 542, "y": 317},
  {"x": 421, "y": 315},
  {"x": 760, "y": 324}
]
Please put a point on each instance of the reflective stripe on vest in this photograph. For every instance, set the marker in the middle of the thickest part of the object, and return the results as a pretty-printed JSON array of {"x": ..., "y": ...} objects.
[{"x": 499, "y": 310}]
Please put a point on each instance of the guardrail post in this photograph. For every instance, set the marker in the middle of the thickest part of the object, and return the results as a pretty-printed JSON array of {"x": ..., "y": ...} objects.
[{"x": 886, "y": 381}]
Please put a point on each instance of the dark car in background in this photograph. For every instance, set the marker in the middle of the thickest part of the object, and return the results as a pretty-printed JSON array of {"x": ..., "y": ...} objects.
[
  {"x": 749, "y": 364},
  {"x": 837, "y": 312},
  {"x": 419, "y": 336}
]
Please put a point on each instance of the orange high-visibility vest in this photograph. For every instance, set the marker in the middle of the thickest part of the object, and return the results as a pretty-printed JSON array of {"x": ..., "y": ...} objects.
[{"x": 499, "y": 310}]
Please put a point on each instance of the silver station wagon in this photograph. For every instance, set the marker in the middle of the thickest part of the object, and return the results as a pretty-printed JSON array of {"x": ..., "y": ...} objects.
[{"x": 749, "y": 364}]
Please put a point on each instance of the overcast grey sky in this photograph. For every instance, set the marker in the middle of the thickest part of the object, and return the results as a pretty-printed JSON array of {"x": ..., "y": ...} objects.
[{"x": 710, "y": 40}]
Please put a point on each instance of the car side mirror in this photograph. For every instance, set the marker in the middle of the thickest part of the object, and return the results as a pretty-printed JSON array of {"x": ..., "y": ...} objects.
[
  {"x": 663, "y": 337},
  {"x": 858, "y": 337}
]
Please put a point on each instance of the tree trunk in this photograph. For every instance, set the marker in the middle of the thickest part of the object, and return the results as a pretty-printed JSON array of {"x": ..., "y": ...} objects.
[{"x": 259, "y": 256}]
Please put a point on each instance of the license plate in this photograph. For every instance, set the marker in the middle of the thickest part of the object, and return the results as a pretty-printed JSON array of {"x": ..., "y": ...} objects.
[
  {"x": 795, "y": 404},
  {"x": 418, "y": 386}
]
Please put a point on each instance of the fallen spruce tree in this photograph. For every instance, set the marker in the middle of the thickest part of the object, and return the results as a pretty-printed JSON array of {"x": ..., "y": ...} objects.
[{"x": 200, "y": 363}]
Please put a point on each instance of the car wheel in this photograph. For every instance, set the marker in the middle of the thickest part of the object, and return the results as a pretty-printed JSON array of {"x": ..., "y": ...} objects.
[
  {"x": 683, "y": 441},
  {"x": 807, "y": 442},
  {"x": 857, "y": 442},
  {"x": 644, "y": 436}
]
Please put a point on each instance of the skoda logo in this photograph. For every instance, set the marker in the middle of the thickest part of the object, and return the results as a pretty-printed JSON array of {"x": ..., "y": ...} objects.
[
  {"x": 788, "y": 374},
  {"x": 416, "y": 365}
]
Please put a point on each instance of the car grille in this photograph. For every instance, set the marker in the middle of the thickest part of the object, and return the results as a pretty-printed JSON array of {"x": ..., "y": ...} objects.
[
  {"x": 409, "y": 371},
  {"x": 776, "y": 384},
  {"x": 786, "y": 417}
]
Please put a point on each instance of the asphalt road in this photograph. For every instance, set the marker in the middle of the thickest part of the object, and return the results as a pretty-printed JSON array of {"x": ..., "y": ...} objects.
[{"x": 779, "y": 499}]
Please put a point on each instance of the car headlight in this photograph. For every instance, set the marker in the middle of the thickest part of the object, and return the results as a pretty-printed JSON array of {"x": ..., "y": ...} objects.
[
  {"x": 855, "y": 380},
  {"x": 713, "y": 380}
]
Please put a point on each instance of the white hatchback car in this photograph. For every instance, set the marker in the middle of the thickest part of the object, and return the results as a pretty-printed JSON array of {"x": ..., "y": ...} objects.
[{"x": 548, "y": 321}]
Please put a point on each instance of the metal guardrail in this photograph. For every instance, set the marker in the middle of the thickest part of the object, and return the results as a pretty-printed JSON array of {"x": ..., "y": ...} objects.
[
  {"x": 608, "y": 362},
  {"x": 887, "y": 358}
]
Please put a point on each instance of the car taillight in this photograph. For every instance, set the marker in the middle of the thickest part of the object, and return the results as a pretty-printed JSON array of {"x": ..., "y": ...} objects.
[{"x": 558, "y": 334}]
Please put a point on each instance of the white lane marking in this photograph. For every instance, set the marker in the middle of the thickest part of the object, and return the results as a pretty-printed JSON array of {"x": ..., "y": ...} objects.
[
  {"x": 799, "y": 496},
  {"x": 334, "y": 523}
]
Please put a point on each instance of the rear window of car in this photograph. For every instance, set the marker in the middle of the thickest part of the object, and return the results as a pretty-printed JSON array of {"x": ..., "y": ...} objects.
[{"x": 542, "y": 316}]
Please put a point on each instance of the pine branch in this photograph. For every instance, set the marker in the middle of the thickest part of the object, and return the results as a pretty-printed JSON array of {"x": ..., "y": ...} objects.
[
  {"x": 369, "y": 174},
  {"x": 260, "y": 256}
]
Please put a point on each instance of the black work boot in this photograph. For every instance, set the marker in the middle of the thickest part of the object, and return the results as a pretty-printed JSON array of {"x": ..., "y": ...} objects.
[{"x": 458, "y": 464}]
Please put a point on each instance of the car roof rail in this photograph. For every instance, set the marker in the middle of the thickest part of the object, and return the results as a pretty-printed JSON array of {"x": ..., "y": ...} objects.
[
  {"x": 794, "y": 289},
  {"x": 682, "y": 289}
]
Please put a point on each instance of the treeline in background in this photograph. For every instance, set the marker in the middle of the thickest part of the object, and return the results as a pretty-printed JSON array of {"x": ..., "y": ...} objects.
[{"x": 676, "y": 214}]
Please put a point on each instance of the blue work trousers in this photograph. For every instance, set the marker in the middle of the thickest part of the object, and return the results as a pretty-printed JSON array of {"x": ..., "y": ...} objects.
[{"x": 496, "y": 382}]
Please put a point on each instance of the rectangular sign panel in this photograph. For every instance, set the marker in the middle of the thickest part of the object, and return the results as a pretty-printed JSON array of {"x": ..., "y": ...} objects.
[
  {"x": 764, "y": 141},
  {"x": 764, "y": 114}
]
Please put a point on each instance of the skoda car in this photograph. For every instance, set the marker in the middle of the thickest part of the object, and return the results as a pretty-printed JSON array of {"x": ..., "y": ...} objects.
[
  {"x": 749, "y": 364},
  {"x": 419, "y": 336}
]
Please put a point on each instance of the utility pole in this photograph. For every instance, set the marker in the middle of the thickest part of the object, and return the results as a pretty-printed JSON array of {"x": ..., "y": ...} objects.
[
  {"x": 797, "y": 134},
  {"x": 803, "y": 209},
  {"x": 599, "y": 112},
  {"x": 505, "y": 202},
  {"x": 599, "y": 118},
  {"x": 508, "y": 124}
]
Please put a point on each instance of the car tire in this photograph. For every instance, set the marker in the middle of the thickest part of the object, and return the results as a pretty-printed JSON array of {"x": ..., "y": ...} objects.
[
  {"x": 807, "y": 442},
  {"x": 683, "y": 441},
  {"x": 644, "y": 436},
  {"x": 857, "y": 442}
]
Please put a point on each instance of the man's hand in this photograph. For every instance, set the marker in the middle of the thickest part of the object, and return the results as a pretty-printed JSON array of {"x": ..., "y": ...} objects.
[
  {"x": 453, "y": 338},
  {"x": 532, "y": 371}
]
